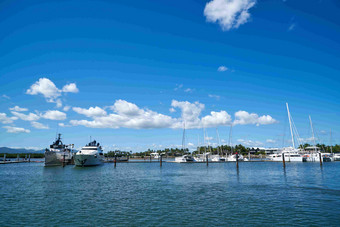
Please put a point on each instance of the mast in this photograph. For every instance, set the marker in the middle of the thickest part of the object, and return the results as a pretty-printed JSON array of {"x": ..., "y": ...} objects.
[
  {"x": 218, "y": 140},
  {"x": 230, "y": 135},
  {"x": 205, "y": 148},
  {"x": 183, "y": 138},
  {"x": 290, "y": 125},
  {"x": 331, "y": 141},
  {"x": 311, "y": 125}
]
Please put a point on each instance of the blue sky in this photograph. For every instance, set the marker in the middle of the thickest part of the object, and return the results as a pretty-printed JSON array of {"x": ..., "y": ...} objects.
[{"x": 129, "y": 73}]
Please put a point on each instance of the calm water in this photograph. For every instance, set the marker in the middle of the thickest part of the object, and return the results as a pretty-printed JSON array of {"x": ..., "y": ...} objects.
[{"x": 136, "y": 194}]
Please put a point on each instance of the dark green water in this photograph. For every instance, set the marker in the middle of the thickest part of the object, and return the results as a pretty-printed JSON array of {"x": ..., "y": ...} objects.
[{"x": 143, "y": 194}]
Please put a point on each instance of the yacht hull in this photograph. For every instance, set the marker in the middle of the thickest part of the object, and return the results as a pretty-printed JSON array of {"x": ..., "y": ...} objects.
[
  {"x": 53, "y": 158},
  {"x": 87, "y": 160}
]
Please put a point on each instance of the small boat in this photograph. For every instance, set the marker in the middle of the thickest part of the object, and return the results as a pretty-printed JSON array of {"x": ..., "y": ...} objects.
[
  {"x": 232, "y": 158},
  {"x": 90, "y": 155},
  {"x": 185, "y": 158},
  {"x": 59, "y": 153},
  {"x": 155, "y": 155},
  {"x": 336, "y": 156}
]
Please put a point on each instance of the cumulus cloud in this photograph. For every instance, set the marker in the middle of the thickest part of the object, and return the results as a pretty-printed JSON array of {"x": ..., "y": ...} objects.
[
  {"x": 66, "y": 108},
  {"x": 49, "y": 90},
  {"x": 245, "y": 118},
  {"x": 39, "y": 125},
  {"x": 216, "y": 119},
  {"x": 72, "y": 87},
  {"x": 11, "y": 129},
  {"x": 18, "y": 109},
  {"x": 189, "y": 90},
  {"x": 127, "y": 115},
  {"x": 222, "y": 68},
  {"x": 6, "y": 120},
  {"x": 54, "y": 115},
  {"x": 26, "y": 117},
  {"x": 228, "y": 13},
  {"x": 64, "y": 125},
  {"x": 91, "y": 112}
]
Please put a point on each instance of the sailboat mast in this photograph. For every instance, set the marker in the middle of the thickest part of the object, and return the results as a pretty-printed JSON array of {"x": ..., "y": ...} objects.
[
  {"x": 183, "y": 138},
  {"x": 331, "y": 141},
  {"x": 311, "y": 125},
  {"x": 230, "y": 135},
  {"x": 290, "y": 125},
  {"x": 219, "y": 142}
]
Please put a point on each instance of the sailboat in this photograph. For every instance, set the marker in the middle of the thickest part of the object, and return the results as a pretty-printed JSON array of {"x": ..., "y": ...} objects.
[
  {"x": 206, "y": 155},
  {"x": 232, "y": 157},
  {"x": 291, "y": 154},
  {"x": 218, "y": 157},
  {"x": 186, "y": 157},
  {"x": 313, "y": 153}
]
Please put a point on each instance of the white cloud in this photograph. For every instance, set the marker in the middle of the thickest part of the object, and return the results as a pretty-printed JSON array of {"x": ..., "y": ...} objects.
[
  {"x": 54, "y": 115},
  {"x": 45, "y": 87},
  {"x": 11, "y": 129},
  {"x": 26, "y": 117},
  {"x": 245, "y": 118},
  {"x": 63, "y": 125},
  {"x": 172, "y": 110},
  {"x": 228, "y": 13},
  {"x": 190, "y": 113},
  {"x": 66, "y": 108},
  {"x": 49, "y": 90},
  {"x": 18, "y": 109},
  {"x": 250, "y": 143},
  {"x": 216, "y": 119},
  {"x": 178, "y": 86},
  {"x": 39, "y": 125},
  {"x": 91, "y": 112},
  {"x": 217, "y": 97},
  {"x": 6, "y": 120},
  {"x": 6, "y": 96},
  {"x": 222, "y": 68},
  {"x": 189, "y": 90},
  {"x": 128, "y": 115},
  {"x": 72, "y": 87},
  {"x": 270, "y": 141}
]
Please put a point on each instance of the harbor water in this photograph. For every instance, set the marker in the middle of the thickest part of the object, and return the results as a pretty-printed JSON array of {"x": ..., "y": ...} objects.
[{"x": 145, "y": 194}]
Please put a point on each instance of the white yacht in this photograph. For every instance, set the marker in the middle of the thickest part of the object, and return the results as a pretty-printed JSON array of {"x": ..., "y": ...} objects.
[
  {"x": 59, "y": 153},
  {"x": 90, "y": 155},
  {"x": 185, "y": 158},
  {"x": 154, "y": 155},
  {"x": 291, "y": 155}
]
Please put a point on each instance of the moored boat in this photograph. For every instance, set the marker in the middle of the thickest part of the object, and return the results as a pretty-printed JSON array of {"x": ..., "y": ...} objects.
[
  {"x": 90, "y": 155},
  {"x": 58, "y": 154}
]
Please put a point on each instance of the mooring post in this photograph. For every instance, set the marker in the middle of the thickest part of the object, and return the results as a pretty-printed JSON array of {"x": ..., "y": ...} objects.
[
  {"x": 150, "y": 158},
  {"x": 206, "y": 158},
  {"x": 237, "y": 160},
  {"x": 17, "y": 157},
  {"x": 25, "y": 157},
  {"x": 29, "y": 158},
  {"x": 4, "y": 158},
  {"x": 283, "y": 160},
  {"x": 115, "y": 161},
  {"x": 320, "y": 159},
  {"x": 160, "y": 161}
]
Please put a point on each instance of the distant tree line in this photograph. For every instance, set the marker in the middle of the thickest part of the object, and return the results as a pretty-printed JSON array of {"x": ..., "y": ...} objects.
[{"x": 23, "y": 155}]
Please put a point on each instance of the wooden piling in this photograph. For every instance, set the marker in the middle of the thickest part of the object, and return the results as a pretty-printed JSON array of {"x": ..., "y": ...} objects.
[
  {"x": 237, "y": 160},
  {"x": 29, "y": 158},
  {"x": 18, "y": 158},
  {"x": 160, "y": 161},
  {"x": 150, "y": 158},
  {"x": 207, "y": 160},
  {"x": 283, "y": 160},
  {"x": 64, "y": 160},
  {"x": 115, "y": 161},
  {"x": 4, "y": 158},
  {"x": 320, "y": 159}
]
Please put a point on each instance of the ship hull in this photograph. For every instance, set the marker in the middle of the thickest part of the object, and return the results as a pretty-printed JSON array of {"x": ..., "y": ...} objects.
[{"x": 87, "y": 160}]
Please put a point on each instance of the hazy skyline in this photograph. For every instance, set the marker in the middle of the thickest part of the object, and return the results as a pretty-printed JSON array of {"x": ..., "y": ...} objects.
[{"x": 130, "y": 73}]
